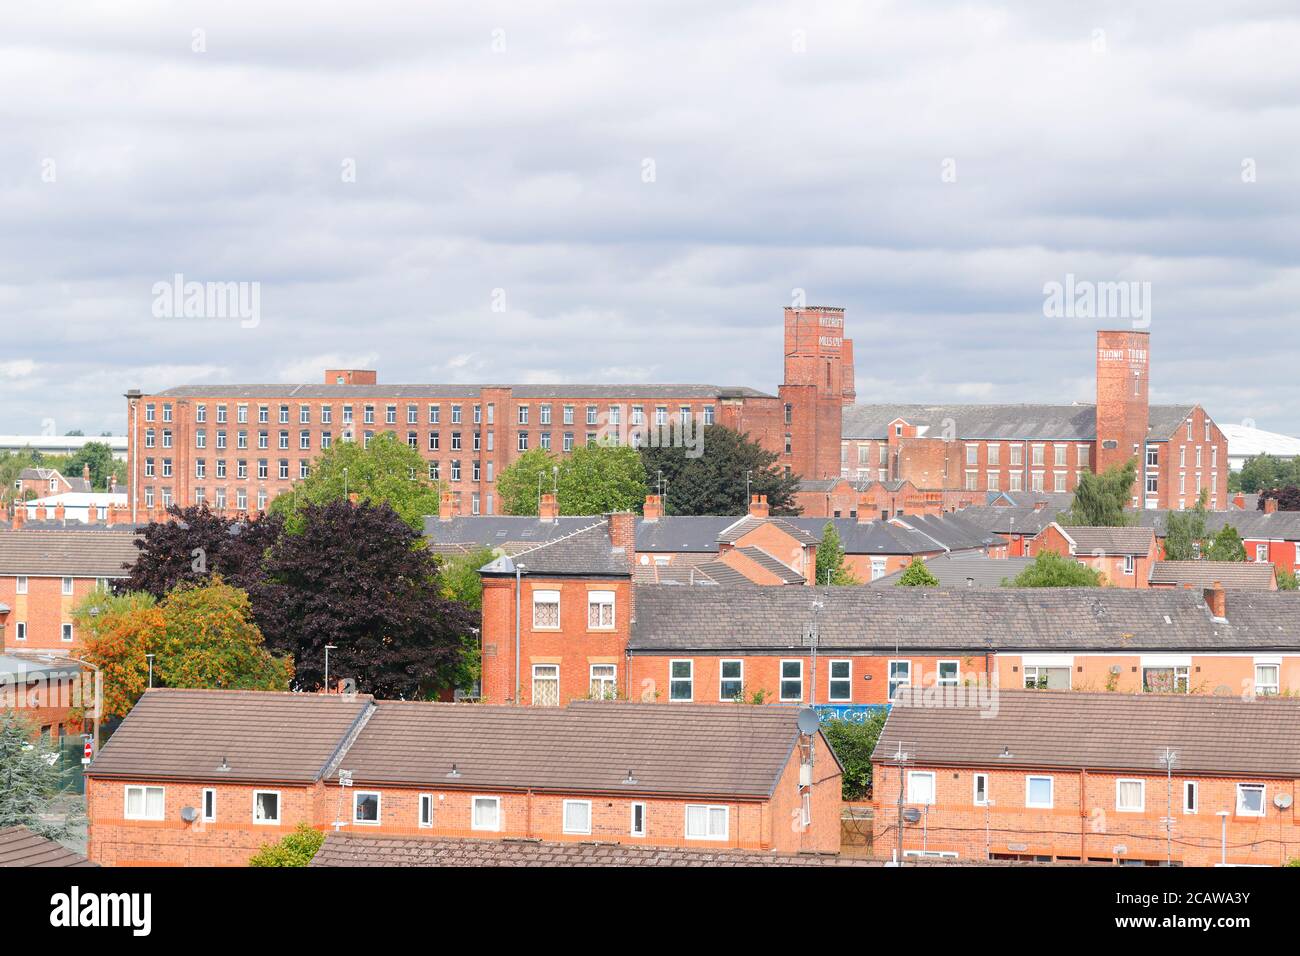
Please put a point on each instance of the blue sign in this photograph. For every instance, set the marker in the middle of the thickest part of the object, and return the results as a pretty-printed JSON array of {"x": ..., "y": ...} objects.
[{"x": 854, "y": 713}]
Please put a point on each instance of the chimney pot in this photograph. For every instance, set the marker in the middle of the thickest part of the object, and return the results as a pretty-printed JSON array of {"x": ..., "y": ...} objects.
[
  {"x": 758, "y": 506},
  {"x": 1216, "y": 599},
  {"x": 1270, "y": 506},
  {"x": 654, "y": 508},
  {"x": 446, "y": 506},
  {"x": 548, "y": 509}
]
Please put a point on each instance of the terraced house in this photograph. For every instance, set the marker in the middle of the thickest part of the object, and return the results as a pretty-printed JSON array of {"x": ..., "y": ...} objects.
[{"x": 206, "y": 777}]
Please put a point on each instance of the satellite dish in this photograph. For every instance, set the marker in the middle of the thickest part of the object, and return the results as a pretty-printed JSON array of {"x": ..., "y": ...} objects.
[
  {"x": 189, "y": 814},
  {"x": 911, "y": 815},
  {"x": 1282, "y": 801},
  {"x": 809, "y": 721}
]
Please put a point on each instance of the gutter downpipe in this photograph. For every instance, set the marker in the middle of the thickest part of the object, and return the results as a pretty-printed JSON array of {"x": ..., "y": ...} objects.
[{"x": 518, "y": 603}]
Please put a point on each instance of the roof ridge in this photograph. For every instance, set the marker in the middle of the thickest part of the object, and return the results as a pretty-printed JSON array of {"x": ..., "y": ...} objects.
[{"x": 563, "y": 537}]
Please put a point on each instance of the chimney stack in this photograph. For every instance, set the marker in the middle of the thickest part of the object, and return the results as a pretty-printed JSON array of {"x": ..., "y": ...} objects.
[
  {"x": 865, "y": 508},
  {"x": 40, "y": 512},
  {"x": 85, "y": 472},
  {"x": 654, "y": 508},
  {"x": 1270, "y": 506},
  {"x": 758, "y": 506},
  {"x": 1216, "y": 599},
  {"x": 446, "y": 506},
  {"x": 92, "y": 514},
  {"x": 20, "y": 516},
  {"x": 622, "y": 532},
  {"x": 1040, "y": 505},
  {"x": 548, "y": 509},
  {"x": 1239, "y": 500}
]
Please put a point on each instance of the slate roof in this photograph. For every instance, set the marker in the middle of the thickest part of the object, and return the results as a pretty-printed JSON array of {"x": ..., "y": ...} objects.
[
  {"x": 743, "y": 526},
  {"x": 586, "y": 552},
  {"x": 771, "y": 565},
  {"x": 1100, "y": 731},
  {"x": 1234, "y": 575},
  {"x": 65, "y": 552},
  {"x": 263, "y": 737},
  {"x": 19, "y": 846},
  {"x": 510, "y": 533},
  {"x": 1110, "y": 540},
  {"x": 679, "y": 533},
  {"x": 577, "y": 392},
  {"x": 953, "y": 570},
  {"x": 1278, "y": 526},
  {"x": 587, "y": 746},
  {"x": 354, "y": 849},
  {"x": 879, "y": 620},
  {"x": 704, "y": 573},
  {"x": 1000, "y": 422},
  {"x": 1016, "y": 519}
]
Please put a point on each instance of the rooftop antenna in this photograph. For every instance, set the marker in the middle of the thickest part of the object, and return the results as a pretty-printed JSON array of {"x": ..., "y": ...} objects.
[
  {"x": 813, "y": 638},
  {"x": 809, "y": 722},
  {"x": 900, "y": 758},
  {"x": 1168, "y": 758}
]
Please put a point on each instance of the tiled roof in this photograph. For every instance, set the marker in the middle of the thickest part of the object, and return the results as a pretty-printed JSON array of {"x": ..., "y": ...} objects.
[
  {"x": 19, "y": 846},
  {"x": 1000, "y": 422},
  {"x": 1017, "y": 519},
  {"x": 585, "y": 552},
  {"x": 1243, "y": 575},
  {"x": 37, "y": 474},
  {"x": 720, "y": 749},
  {"x": 352, "y": 849},
  {"x": 1110, "y": 540},
  {"x": 680, "y": 533},
  {"x": 262, "y": 737},
  {"x": 743, "y": 526},
  {"x": 576, "y": 392},
  {"x": 1278, "y": 526},
  {"x": 956, "y": 570},
  {"x": 866, "y": 619},
  {"x": 75, "y": 553},
  {"x": 695, "y": 569},
  {"x": 771, "y": 565},
  {"x": 510, "y": 533},
  {"x": 1099, "y": 731}
]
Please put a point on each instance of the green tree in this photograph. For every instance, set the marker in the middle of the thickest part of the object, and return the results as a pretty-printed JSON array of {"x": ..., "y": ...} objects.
[
  {"x": 1185, "y": 532},
  {"x": 388, "y": 472},
  {"x": 1286, "y": 580},
  {"x": 1263, "y": 472},
  {"x": 209, "y": 640},
  {"x": 1226, "y": 546},
  {"x": 460, "y": 581},
  {"x": 853, "y": 741},
  {"x": 599, "y": 478},
  {"x": 519, "y": 483},
  {"x": 117, "y": 631},
  {"x": 917, "y": 575},
  {"x": 296, "y": 849},
  {"x": 103, "y": 466},
  {"x": 1050, "y": 570},
  {"x": 29, "y": 779},
  {"x": 714, "y": 482},
  {"x": 831, "y": 565},
  {"x": 1099, "y": 500}
]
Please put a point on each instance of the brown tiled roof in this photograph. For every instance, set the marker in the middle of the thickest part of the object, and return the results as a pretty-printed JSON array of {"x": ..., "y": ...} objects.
[
  {"x": 85, "y": 554},
  {"x": 1117, "y": 540},
  {"x": 346, "y": 849},
  {"x": 771, "y": 565},
  {"x": 587, "y": 551},
  {"x": 702, "y": 569},
  {"x": 744, "y": 526},
  {"x": 717, "y": 749},
  {"x": 19, "y": 846},
  {"x": 1238, "y": 575},
  {"x": 1099, "y": 731},
  {"x": 262, "y": 737},
  {"x": 772, "y": 619}
]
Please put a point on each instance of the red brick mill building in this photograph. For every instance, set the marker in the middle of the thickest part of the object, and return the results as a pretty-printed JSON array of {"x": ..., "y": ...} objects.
[{"x": 235, "y": 447}]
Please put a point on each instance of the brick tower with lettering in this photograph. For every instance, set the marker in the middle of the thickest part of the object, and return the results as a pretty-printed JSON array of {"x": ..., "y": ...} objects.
[
  {"x": 818, "y": 384},
  {"x": 1123, "y": 397}
]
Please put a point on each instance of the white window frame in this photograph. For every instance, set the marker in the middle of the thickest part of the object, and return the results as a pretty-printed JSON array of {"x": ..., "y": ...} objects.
[
  {"x": 66, "y": 632},
  {"x": 67, "y": 586},
  {"x": 940, "y": 680},
  {"x": 21, "y": 584},
  {"x": 1193, "y": 788},
  {"x": 889, "y": 677},
  {"x": 781, "y": 679},
  {"x": 1263, "y": 799},
  {"x": 600, "y": 599},
  {"x": 547, "y": 670},
  {"x": 975, "y": 789},
  {"x": 611, "y": 680},
  {"x": 918, "y": 775},
  {"x": 21, "y": 633},
  {"x": 144, "y": 796},
  {"x": 1271, "y": 689},
  {"x": 632, "y": 828},
  {"x": 688, "y": 680},
  {"x": 279, "y": 809},
  {"x": 1130, "y": 564},
  {"x": 379, "y": 808},
  {"x": 831, "y": 681},
  {"x": 209, "y": 792},
  {"x": 722, "y": 695},
  {"x": 424, "y": 811},
  {"x": 546, "y": 627},
  {"x": 1051, "y": 791},
  {"x": 473, "y": 814},
  {"x": 1142, "y": 789},
  {"x": 709, "y": 808},
  {"x": 564, "y": 817}
]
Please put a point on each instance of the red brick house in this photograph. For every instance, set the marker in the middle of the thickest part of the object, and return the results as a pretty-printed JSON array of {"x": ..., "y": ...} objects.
[
  {"x": 1125, "y": 556},
  {"x": 1090, "y": 777},
  {"x": 206, "y": 777}
]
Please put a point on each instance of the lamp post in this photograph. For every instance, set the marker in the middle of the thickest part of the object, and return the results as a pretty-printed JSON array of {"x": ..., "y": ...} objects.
[
  {"x": 1223, "y": 839},
  {"x": 328, "y": 648}
]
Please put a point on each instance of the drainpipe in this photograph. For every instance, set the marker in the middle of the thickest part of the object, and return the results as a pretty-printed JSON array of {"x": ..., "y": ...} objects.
[
  {"x": 518, "y": 601},
  {"x": 1083, "y": 816}
]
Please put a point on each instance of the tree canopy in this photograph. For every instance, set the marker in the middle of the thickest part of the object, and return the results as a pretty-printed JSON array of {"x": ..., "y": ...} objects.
[
  {"x": 1185, "y": 534},
  {"x": 1262, "y": 472},
  {"x": 853, "y": 741},
  {"x": 196, "y": 545},
  {"x": 1288, "y": 498},
  {"x": 1051, "y": 570},
  {"x": 295, "y": 849},
  {"x": 831, "y": 565},
  {"x": 1100, "y": 499},
  {"x": 1226, "y": 545},
  {"x": 519, "y": 483},
  {"x": 714, "y": 483},
  {"x": 917, "y": 575},
  {"x": 596, "y": 479},
  {"x": 387, "y": 471},
  {"x": 29, "y": 779},
  {"x": 117, "y": 631}
]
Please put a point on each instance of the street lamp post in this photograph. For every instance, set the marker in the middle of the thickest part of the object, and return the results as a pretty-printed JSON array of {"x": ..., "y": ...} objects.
[
  {"x": 328, "y": 648},
  {"x": 1223, "y": 839}
]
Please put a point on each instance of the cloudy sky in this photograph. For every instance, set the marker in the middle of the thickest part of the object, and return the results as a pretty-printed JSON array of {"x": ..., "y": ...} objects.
[{"x": 604, "y": 191}]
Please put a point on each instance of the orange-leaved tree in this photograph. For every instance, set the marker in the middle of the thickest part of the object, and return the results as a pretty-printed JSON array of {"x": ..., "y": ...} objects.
[{"x": 117, "y": 631}]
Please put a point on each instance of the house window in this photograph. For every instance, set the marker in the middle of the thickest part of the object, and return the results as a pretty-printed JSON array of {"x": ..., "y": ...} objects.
[
  {"x": 900, "y": 675},
  {"x": 920, "y": 786},
  {"x": 209, "y": 805},
  {"x": 1191, "y": 796},
  {"x": 981, "y": 788},
  {"x": 638, "y": 820},
  {"x": 577, "y": 816},
  {"x": 426, "y": 809},
  {"x": 144, "y": 803},
  {"x": 365, "y": 807},
  {"x": 604, "y": 685},
  {"x": 1038, "y": 792},
  {"x": 841, "y": 687},
  {"x": 66, "y": 633},
  {"x": 22, "y": 584},
  {"x": 22, "y": 631},
  {"x": 600, "y": 610},
  {"x": 266, "y": 807},
  {"x": 704, "y": 822},
  {"x": 1047, "y": 678},
  {"x": 949, "y": 674},
  {"x": 546, "y": 610},
  {"x": 546, "y": 685},
  {"x": 792, "y": 680},
  {"x": 1261, "y": 553},
  {"x": 1130, "y": 796},
  {"x": 1165, "y": 680},
  {"x": 1250, "y": 799},
  {"x": 1129, "y": 563},
  {"x": 681, "y": 680},
  {"x": 486, "y": 813},
  {"x": 67, "y": 586},
  {"x": 1267, "y": 679},
  {"x": 731, "y": 683},
  {"x": 877, "y": 568}
]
